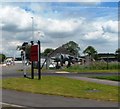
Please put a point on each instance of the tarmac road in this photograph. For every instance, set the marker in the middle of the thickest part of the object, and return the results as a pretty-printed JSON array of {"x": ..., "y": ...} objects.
[
  {"x": 12, "y": 71},
  {"x": 39, "y": 100}
]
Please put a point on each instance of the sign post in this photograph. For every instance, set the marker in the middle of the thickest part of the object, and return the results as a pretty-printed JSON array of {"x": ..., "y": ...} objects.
[
  {"x": 39, "y": 60},
  {"x": 32, "y": 63},
  {"x": 35, "y": 55}
]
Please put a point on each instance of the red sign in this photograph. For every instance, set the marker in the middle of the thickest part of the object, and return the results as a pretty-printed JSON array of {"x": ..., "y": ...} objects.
[{"x": 34, "y": 53}]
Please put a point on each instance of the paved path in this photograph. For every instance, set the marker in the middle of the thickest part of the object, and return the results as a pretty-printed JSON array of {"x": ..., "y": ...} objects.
[
  {"x": 100, "y": 81},
  {"x": 39, "y": 100}
]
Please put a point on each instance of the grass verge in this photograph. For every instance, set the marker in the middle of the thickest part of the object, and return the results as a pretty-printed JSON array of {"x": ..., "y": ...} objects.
[
  {"x": 90, "y": 71},
  {"x": 74, "y": 70},
  {"x": 64, "y": 87}
]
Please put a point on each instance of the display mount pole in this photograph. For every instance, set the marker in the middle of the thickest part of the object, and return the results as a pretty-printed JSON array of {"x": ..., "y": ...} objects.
[
  {"x": 39, "y": 60},
  {"x": 32, "y": 65},
  {"x": 24, "y": 64}
]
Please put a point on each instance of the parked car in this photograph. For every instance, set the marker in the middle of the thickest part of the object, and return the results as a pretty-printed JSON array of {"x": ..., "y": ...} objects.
[{"x": 52, "y": 65}]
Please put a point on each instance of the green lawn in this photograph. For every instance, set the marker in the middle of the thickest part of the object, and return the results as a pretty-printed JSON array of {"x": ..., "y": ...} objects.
[
  {"x": 113, "y": 78},
  {"x": 64, "y": 87}
]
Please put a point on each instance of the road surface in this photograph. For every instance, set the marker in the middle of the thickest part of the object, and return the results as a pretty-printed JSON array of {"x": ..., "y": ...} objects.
[
  {"x": 38, "y": 100},
  {"x": 12, "y": 71}
]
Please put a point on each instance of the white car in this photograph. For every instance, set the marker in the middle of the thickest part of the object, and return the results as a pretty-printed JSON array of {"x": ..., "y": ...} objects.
[
  {"x": 52, "y": 66},
  {"x": 8, "y": 62}
]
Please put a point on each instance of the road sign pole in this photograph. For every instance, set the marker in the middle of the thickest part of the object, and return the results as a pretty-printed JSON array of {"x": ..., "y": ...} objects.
[
  {"x": 32, "y": 66},
  {"x": 39, "y": 60}
]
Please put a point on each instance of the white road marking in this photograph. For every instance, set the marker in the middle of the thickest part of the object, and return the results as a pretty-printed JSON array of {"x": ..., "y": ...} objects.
[
  {"x": 62, "y": 72},
  {"x": 1, "y": 103}
]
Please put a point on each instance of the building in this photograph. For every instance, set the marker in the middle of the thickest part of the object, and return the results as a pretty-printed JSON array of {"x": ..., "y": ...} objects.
[{"x": 107, "y": 57}]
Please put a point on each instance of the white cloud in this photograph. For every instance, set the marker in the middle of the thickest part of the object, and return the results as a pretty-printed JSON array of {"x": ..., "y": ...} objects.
[
  {"x": 106, "y": 31},
  {"x": 63, "y": 25},
  {"x": 17, "y": 28},
  {"x": 111, "y": 37},
  {"x": 20, "y": 20},
  {"x": 15, "y": 17},
  {"x": 93, "y": 35},
  {"x": 111, "y": 26}
]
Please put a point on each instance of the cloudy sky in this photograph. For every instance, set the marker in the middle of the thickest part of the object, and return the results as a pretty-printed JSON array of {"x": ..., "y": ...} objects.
[{"x": 94, "y": 23}]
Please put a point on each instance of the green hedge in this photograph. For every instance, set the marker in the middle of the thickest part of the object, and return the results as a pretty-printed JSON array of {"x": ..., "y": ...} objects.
[
  {"x": 94, "y": 66},
  {"x": 103, "y": 66}
]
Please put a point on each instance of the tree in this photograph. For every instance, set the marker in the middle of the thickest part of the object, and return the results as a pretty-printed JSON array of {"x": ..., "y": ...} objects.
[
  {"x": 2, "y": 57},
  {"x": 47, "y": 51},
  {"x": 22, "y": 47},
  {"x": 25, "y": 48},
  {"x": 72, "y": 47},
  {"x": 117, "y": 53},
  {"x": 91, "y": 52}
]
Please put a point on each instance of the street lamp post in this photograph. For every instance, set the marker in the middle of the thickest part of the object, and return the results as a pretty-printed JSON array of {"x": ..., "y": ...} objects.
[
  {"x": 32, "y": 28},
  {"x": 39, "y": 53}
]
